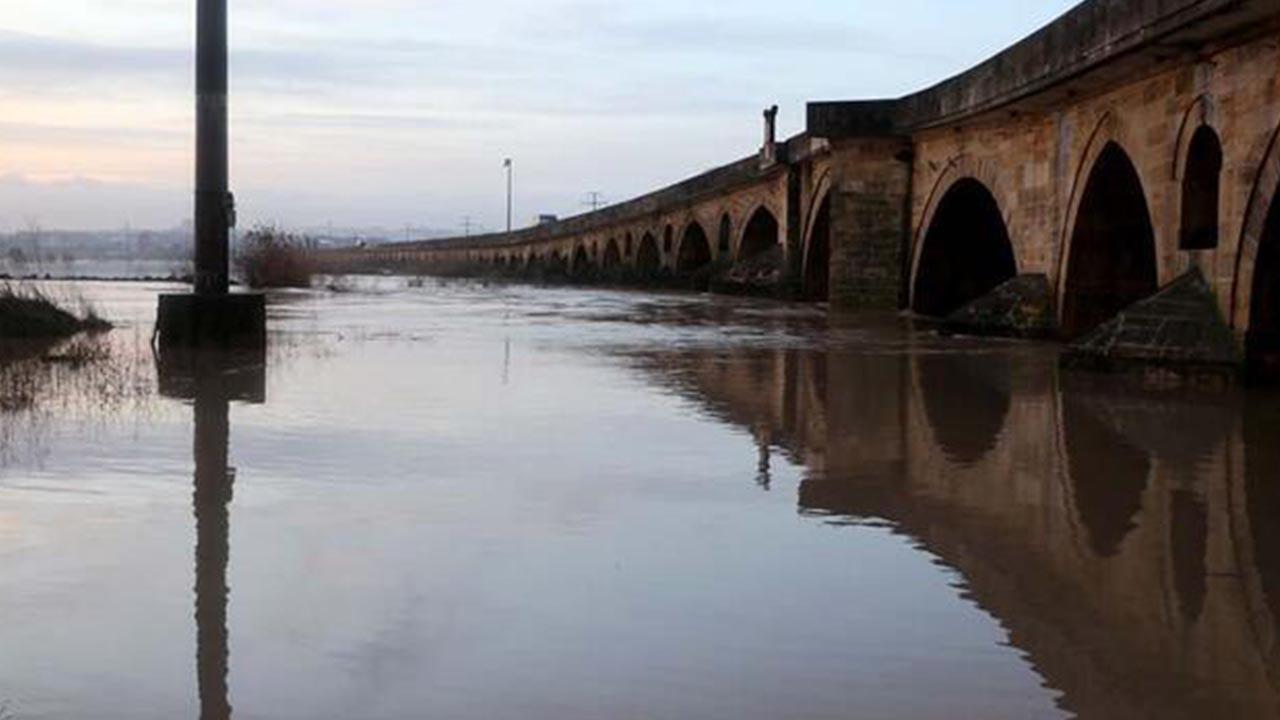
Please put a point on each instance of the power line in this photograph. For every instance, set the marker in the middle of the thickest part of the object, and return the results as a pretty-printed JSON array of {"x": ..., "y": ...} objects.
[{"x": 595, "y": 200}]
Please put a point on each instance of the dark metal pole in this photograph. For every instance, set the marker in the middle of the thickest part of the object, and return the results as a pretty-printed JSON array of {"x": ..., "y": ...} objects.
[
  {"x": 215, "y": 209},
  {"x": 510, "y": 171}
]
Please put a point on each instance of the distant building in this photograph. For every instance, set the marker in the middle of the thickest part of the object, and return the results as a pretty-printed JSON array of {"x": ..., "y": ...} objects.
[{"x": 547, "y": 219}]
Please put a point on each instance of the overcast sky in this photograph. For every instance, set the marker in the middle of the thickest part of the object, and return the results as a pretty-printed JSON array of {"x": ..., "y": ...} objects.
[{"x": 391, "y": 112}]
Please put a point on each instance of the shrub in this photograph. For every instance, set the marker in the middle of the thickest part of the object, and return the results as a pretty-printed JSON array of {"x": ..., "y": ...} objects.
[{"x": 271, "y": 258}]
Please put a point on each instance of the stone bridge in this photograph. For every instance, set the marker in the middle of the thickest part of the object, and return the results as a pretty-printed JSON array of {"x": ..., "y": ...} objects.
[{"x": 1126, "y": 146}]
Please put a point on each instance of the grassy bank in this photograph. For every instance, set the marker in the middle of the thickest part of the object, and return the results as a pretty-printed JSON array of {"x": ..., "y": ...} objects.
[{"x": 28, "y": 313}]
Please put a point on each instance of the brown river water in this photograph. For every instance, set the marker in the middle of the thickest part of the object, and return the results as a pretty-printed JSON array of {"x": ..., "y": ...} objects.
[{"x": 490, "y": 502}]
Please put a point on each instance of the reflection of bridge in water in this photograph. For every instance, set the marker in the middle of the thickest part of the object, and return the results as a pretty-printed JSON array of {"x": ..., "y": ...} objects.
[{"x": 1129, "y": 543}]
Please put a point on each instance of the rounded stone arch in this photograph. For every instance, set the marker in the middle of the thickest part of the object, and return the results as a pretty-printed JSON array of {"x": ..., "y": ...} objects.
[
  {"x": 967, "y": 191},
  {"x": 694, "y": 251},
  {"x": 1109, "y": 132},
  {"x": 761, "y": 223}
]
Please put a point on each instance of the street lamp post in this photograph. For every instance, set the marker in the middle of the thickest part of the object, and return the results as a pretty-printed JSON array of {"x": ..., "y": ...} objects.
[{"x": 510, "y": 170}]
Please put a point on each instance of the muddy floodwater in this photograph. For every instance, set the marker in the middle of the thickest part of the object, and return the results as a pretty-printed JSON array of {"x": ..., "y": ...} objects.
[{"x": 468, "y": 501}]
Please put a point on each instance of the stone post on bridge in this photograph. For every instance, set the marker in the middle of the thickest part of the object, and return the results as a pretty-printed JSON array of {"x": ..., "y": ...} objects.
[
  {"x": 769, "y": 150},
  {"x": 211, "y": 316}
]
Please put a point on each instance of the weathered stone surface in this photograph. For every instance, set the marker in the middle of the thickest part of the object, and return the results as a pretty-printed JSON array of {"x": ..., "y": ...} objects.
[
  {"x": 1179, "y": 327},
  {"x": 1021, "y": 307}
]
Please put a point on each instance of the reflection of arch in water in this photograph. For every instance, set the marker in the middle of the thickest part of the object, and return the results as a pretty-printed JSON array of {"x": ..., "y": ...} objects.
[
  {"x": 966, "y": 399},
  {"x": 1106, "y": 476},
  {"x": 1188, "y": 547},
  {"x": 1256, "y": 528}
]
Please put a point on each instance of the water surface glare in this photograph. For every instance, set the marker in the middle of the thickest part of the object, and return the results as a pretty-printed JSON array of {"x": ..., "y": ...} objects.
[{"x": 466, "y": 501}]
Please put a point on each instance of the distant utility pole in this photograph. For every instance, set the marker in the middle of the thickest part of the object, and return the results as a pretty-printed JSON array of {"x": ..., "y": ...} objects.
[
  {"x": 467, "y": 225},
  {"x": 595, "y": 200},
  {"x": 510, "y": 166}
]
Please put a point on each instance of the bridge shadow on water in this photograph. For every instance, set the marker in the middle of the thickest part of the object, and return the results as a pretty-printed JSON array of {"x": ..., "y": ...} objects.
[{"x": 1127, "y": 541}]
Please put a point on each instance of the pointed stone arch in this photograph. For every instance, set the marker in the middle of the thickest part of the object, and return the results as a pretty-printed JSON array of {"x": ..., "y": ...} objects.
[
  {"x": 760, "y": 234},
  {"x": 694, "y": 252},
  {"x": 724, "y": 238},
  {"x": 648, "y": 257},
  {"x": 1256, "y": 256},
  {"x": 612, "y": 254},
  {"x": 1109, "y": 135},
  {"x": 963, "y": 248}
]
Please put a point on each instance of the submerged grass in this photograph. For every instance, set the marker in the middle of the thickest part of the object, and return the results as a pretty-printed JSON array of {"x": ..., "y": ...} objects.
[{"x": 27, "y": 312}]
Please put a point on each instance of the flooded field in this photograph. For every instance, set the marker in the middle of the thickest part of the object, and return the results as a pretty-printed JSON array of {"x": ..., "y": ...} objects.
[{"x": 468, "y": 501}]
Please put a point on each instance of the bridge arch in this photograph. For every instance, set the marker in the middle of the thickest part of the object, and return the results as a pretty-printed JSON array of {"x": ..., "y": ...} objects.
[
  {"x": 965, "y": 250},
  {"x": 1263, "y": 338},
  {"x": 581, "y": 264},
  {"x": 648, "y": 259},
  {"x": 817, "y": 254},
  {"x": 760, "y": 235},
  {"x": 1255, "y": 303},
  {"x": 557, "y": 264},
  {"x": 1110, "y": 257},
  {"x": 1198, "y": 171},
  {"x": 695, "y": 250},
  {"x": 724, "y": 240},
  {"x": 612, "y": 255}
]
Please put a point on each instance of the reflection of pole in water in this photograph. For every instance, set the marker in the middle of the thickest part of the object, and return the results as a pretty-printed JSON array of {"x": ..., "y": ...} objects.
[
  {"x": 213, "y": 490},
  {"x": 506, "y": 362},
  {"x": 764, "y": 476}
]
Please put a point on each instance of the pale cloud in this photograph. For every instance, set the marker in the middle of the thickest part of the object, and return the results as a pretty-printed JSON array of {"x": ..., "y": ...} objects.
[{"x": 385, "y": 112}]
